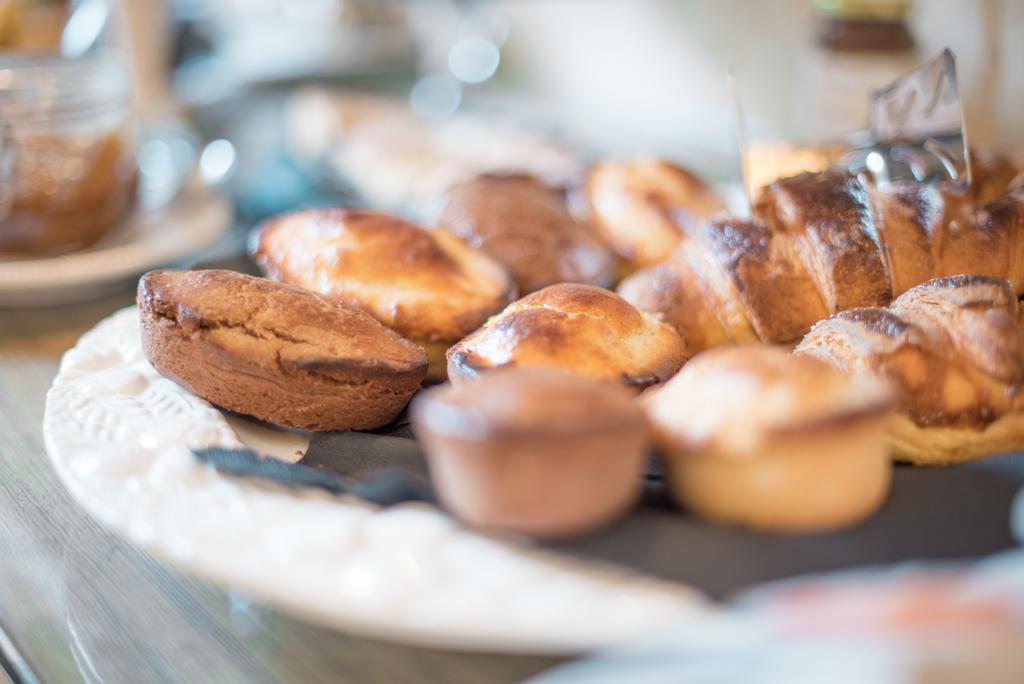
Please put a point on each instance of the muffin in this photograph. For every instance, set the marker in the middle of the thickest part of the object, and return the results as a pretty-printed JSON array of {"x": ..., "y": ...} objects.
[
  {"x": 525, "y": 225},
  {"x": 643, "y": 208},
  {"x": 754, "y": 436},
  {"x": 537, "y": 451},
  {"x": 426, "y": 285},
  {"x": 587, "y": 330},
  {"x": 276, "y": 352}
]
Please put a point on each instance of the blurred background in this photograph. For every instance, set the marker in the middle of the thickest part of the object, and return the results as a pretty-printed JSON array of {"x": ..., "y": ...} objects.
[{"x": 250, "y": 100}]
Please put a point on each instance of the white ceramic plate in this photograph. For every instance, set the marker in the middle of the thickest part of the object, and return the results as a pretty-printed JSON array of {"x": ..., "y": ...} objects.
[
  {"x": 119, "y": 434},
  {"x": 146, "y": 240}
]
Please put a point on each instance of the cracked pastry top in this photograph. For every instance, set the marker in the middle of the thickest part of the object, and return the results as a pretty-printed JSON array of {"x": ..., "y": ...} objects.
[
  {"x": 427, "y": 285},
  {"x": 525, "y": 225},
  {"x": 275, "y": 351},
  {"x": 585, "y": 329}
]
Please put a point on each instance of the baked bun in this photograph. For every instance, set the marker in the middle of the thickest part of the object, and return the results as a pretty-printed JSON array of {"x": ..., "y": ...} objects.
[
  {"x": 643, "y": 208},
  {"x": 954, "y": 351},
  {"x": 582, "y": 328},
  {"x": 525, "y": 225},
  {"x": 426, "y": 285},
  {"x": 275, "y": 352},
  {"x": 754, "y": 436},
  {"x": 533, "y": 450}
]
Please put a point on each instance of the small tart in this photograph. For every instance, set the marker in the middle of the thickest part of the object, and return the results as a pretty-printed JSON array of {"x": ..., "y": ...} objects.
[
  {"x": 755, "y": 436},
  {"x": 539, "y": 451}
]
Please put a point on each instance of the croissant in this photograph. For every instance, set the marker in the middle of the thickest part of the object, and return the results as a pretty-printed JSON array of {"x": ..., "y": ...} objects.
[
  {"x": 953, "y": 349},
  {"x": 824, "y": 242}
]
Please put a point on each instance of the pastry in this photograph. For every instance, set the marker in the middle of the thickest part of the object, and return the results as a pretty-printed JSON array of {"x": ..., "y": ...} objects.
[
  {"x": 754, "y": 436},
  {"x": 954, "y": 350},
  {"x": 768, "y": 161},
  {"x": 396, "y": 159},
  {"x": 525, "y": 225},
  {"x": 824, "y": 242},
  {"x": 643, "y": 208},
  {"x": 426, "y": 285},
  {"x": 275, "y": 352},
  {"x": 538, "y": 451},
  {"x": 582, "y": 328}
]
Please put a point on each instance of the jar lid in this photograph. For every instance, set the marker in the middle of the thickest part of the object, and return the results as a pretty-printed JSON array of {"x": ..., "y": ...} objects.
[{"x": 56, "y": 88}]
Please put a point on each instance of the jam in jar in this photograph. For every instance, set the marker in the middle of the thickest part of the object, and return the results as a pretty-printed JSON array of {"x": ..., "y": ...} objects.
[{"x": 67, "y": 153}]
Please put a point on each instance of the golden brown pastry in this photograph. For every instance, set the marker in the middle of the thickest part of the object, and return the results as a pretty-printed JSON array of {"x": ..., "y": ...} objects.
[
  {"x": 768, "y": 161},
  {"x": 533, "y": 450},
  {"x": 643, "y": 208},
  {"x": 525, "y": 225},
  {"x": 954, "y": 350},
  {"x": 585, "y": 329},
  {"x": 275, "y": 352},
  {"x": 825, "y": 242},
  {"x": 755, "y": 436},
  {"x": 426, "y": 285}
]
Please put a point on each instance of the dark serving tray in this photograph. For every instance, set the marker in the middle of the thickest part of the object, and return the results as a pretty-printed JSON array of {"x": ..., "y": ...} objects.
[{"x": 959, "y": 512}]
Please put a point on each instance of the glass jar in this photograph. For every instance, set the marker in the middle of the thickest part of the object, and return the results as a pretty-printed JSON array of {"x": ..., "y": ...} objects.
[{"x": 67, "y": 153}]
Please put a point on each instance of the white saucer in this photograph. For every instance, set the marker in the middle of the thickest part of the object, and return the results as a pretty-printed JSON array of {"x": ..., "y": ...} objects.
[
  {"x": 149, "y": 239},
  {"x": 118, "y": 434}
]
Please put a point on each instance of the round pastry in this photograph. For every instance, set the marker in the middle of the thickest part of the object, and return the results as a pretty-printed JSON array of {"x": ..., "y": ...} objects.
[
  {"x": 276, "y": 352},
  {"x": 533, "y": 450},
  {"x": 525, "y": 225},
  {"x": 426, "y": 285},
  {"x": 588, "y": 330},
  {"x": 754, "y": 436},
  {"x": 643, "y": 208}
]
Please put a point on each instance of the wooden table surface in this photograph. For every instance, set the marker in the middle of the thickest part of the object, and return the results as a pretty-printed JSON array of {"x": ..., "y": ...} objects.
[{"x": 79, "y": 605}]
